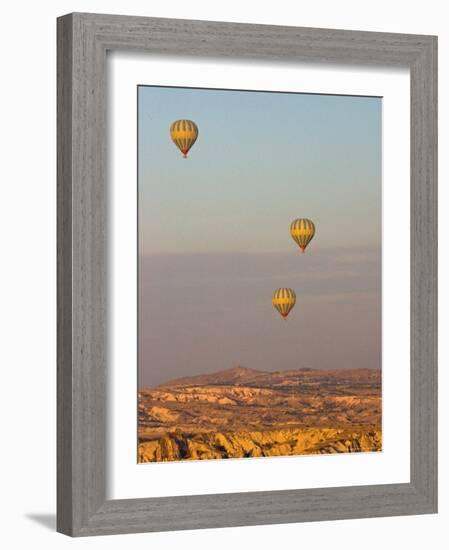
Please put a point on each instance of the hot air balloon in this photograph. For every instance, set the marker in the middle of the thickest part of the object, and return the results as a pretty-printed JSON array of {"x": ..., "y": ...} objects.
[
  {"x": 302, "y": 231},
  {"x": 284, "y": 300},
  {"x": 184, "y": 134}
]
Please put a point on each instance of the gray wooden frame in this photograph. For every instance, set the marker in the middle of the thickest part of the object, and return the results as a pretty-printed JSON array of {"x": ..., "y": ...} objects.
[{"x": 83, "y": 40}]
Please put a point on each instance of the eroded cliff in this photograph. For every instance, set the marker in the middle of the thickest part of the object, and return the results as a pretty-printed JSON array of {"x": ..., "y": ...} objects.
[{"x": 213, "y": 445}]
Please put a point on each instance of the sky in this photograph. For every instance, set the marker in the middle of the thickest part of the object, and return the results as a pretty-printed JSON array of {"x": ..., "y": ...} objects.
[{"x": 214, "y": 232}]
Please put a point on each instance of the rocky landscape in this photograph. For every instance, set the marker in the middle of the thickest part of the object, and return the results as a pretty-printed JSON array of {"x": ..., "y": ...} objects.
[{"x": 241, "y": 412}]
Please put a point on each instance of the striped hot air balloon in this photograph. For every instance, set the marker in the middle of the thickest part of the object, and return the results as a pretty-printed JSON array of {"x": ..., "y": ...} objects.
[
  {"x": 302, "y": 231},
  {"x": 284, "y": 300},
  {"x": 184, "y": 134}
]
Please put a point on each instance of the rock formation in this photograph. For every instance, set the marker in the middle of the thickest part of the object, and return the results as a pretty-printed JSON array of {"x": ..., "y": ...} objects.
[{"x": 242, "y": 412}]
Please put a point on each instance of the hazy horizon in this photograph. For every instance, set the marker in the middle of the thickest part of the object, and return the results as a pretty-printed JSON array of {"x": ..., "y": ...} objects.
[
  {"x": 208, "y": 312},
  {"x": 214, "y": 232},
  {"x": 271, "y": 371}
]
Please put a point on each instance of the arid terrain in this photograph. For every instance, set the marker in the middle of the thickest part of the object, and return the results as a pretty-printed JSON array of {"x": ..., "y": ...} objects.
[{"x": 241, "y": 412}]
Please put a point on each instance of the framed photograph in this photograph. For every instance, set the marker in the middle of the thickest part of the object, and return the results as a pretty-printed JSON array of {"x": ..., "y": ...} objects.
[{"x": 247, "y": 274}]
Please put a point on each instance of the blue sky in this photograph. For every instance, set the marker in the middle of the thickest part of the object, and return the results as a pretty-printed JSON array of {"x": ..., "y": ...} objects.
[
  {"x": 214, "y": 232},
  {"x": 261, "y": 160}
]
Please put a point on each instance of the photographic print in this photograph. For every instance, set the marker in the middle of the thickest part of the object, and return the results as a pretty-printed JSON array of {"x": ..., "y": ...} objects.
[{"x": 259, "y": 274}]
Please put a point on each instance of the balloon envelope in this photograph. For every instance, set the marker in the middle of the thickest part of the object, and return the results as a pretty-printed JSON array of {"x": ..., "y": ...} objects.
[
  {"x": 284, "y": 300},
  {"x": 184, "y": 133},
  {"x": 302, "y": 231}
]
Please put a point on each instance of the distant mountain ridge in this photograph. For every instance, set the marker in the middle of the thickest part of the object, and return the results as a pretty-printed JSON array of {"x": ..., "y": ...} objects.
[
  {"x": 226, "y": 376},
  {"x": 246, "y": 376}
]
